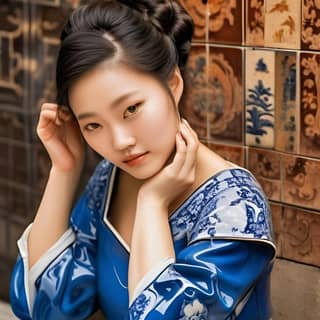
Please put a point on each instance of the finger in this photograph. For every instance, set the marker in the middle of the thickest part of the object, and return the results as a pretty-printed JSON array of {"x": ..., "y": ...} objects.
[
  {"x": 64, "y": 114},
  {"x": 192, "y": 144},
  {"x": 47, "y": 116},
  {"x": 190, "y": 128},
  {"x": 179, "y": 157}
]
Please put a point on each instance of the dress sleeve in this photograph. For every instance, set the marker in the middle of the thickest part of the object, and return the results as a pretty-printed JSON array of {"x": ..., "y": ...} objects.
[
  {"x": 62, "y": 284},
  {"x": 229, "y": 247}
]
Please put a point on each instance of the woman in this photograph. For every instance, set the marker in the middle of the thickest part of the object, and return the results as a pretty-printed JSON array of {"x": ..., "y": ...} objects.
[{"x": 165, "y": 229}]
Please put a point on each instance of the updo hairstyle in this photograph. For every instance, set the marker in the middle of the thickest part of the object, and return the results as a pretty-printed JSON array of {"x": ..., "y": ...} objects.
[{"x": 151, "y": 36}]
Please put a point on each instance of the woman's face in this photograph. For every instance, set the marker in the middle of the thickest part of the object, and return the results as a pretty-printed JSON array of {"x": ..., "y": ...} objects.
[{"x": 127, "y": 117}]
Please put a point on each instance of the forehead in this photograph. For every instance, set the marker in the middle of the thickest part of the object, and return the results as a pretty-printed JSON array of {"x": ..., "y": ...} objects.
[{"x": 106, "y": 82}]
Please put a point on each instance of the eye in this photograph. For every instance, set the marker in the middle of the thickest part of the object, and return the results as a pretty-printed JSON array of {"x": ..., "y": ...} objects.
[
  {"x": 91, "y": 126},
  {"x": 132, "y": 110}
]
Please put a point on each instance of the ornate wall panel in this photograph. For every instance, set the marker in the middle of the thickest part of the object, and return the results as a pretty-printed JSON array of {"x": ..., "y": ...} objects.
[{"x": 251, "y": 94}]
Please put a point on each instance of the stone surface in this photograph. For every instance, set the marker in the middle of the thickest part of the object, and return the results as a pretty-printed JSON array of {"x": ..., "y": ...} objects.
[{"x": 295, "y": 291}]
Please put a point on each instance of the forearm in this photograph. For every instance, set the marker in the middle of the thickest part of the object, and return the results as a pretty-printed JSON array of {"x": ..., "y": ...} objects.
[
  {"x": 151, "y": 240},
  {"x": 52, "y": 218}
]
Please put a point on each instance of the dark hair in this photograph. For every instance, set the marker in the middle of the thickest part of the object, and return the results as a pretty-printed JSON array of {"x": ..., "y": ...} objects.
[{"x": 152, "y": 36}]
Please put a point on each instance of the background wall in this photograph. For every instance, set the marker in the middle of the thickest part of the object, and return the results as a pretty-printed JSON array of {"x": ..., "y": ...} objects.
[{"x": 253, "y": 95}]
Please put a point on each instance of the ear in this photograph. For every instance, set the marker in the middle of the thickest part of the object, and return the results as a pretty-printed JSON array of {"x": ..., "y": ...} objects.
[{"x": 176, "y": 85}]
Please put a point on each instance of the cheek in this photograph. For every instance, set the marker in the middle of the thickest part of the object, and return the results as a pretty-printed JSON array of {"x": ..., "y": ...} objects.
[{"x": 159, "y": 125}]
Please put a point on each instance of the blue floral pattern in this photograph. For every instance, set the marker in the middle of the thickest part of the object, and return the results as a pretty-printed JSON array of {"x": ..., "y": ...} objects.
[
  {"x": 228, "y": 205},
  {"x": 194, "y": 311},
  {"x": 139, "y": 307}
]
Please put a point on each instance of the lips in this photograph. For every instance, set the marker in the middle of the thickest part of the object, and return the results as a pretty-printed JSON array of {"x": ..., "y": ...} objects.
[{"x": 135, "y": 158}]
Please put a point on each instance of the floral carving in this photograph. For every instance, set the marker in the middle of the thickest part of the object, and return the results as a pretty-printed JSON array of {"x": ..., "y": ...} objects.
[
  {"x": 311, "y": 97},
  {"x": 256, "y": 22},
  {"x": 221, "y": 11},
  {"x": 310, "y": 35},
  {"x": 194, "y": 311}
]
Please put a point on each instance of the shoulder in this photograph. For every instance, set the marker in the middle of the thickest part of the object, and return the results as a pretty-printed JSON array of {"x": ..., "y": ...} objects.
[{"x": 233, "y": 206}]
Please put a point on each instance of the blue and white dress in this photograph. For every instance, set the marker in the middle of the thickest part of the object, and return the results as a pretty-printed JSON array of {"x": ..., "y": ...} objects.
[{"x": 224, "y": 254}]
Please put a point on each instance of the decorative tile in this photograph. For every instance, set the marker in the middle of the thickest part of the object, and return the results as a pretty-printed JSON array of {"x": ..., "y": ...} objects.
[
  {"x": 20, "y": 164},
  {"x": 198, "y": 10},
  {"x": 282, "y": 19},
  {"x": 300, "y": 181},
  {"x": 19, "y": 201},
  {"x": 225, "y": 102},
  {"x": 47, "y": 23},
  {"x": 4, "y": 197},
  {"x": 225, "y": 94},
  {"x": 260, "y": 91},
  {"x": 255, "y": 23},
  {"x": 15, "y": 232},
  {"x": 4, "y": 160},
  {"x": 265, "y": 166},
  {"x": 310, "y": 104},
  {"x": 194, "y": 104},
  {"x": 225, "y": 21},
  {"x": 310, "y": 36},
  {"x": 3, "y": 237},
  {"x": 287, "y": 103},
  {"x": 40, "y": 166},
  {"x": 13, "y": 62},
  {"x": 234, "y": 154},
  {"x": 298, "y": 235},
  {"x": 56, "y": 3}
]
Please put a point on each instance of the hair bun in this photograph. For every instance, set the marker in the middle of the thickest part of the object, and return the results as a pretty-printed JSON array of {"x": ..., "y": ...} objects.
[{"x": 170, "y": 18}]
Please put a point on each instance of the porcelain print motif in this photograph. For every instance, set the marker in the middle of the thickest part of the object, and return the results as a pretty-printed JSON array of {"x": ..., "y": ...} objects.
[
  {"x": 265, "y": 165},
  {"x": 225, "y": 101},
  {"x": 255, "y": 24},
  {"x": 300, "y": 182},
  {"x": 297, "y": 235},
  {"x": 260, "y": 88},
  {"x": 225, "y": 21},
  {"x": 198, "y": 10},
  {"x": 194, "y": 105},
  {"x": 310, "y": 104},
  {"x": 287, "y": 112},
  {"x": 310, "y": 34},
  {"x": 283, "y": 23}
]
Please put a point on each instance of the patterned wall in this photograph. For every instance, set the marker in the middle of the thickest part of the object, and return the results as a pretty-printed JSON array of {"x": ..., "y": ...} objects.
[{"x": 253, "y": 95}]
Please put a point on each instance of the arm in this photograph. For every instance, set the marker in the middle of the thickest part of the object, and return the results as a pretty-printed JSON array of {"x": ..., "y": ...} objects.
[
  {"x": 211, "y": 276},
  {"x": 62, "y": 283},
  {"x": 47, "y": 266},
  {"x": 59, "y": 133}
]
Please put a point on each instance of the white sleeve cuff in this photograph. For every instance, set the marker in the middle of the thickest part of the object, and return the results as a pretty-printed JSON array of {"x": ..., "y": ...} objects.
[
  {"x": 149, "y": 277},
  {"x": 30, "y": 276}
]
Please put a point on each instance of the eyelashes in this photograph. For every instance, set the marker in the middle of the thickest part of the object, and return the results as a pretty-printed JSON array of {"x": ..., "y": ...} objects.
[
  {"x": 131, "y": 110},
  {"x": 128, "y": 113}
]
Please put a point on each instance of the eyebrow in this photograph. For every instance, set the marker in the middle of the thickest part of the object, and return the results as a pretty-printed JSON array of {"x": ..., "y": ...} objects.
[{"x": 114, "y": 103}]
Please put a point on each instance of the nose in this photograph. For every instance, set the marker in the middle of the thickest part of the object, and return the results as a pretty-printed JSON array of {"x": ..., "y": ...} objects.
[{"x": 122, "y": 138}]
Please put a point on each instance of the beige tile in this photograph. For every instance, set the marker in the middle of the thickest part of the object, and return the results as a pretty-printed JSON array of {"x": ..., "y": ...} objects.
[
  {"x": 282, "y": 19},
  {"x": 265, "y": 165},
  {"x": 300, "y": 181},
  {"x": 298, "y": 235},
  {"x": 234, "y": 154},
  {"x": 310, "y": 36},
  {"x": 287, "y": 124},
  {"x": 198, "y": 10},
  {"x": 225, "y": 21},
  {"x": 310, "y": 104},
  {"x": 194, "y": 104},
  {"x": 225, "y": 98},
  {"x": 255, "y": 23},
  {"x": 260, "y": 91}
]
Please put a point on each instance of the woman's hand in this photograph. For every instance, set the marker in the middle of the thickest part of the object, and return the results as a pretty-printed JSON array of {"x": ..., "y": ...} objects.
[
  {"x": 179, "y": 175},
  {"x": 59, "y": 132}
]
